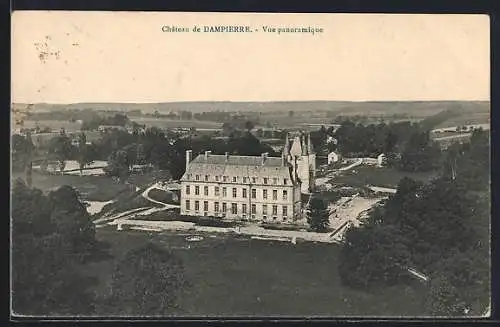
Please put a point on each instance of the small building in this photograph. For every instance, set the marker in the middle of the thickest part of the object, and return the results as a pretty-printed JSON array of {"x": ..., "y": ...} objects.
[
  {"x": 381, "y": 160},
  {"x": 333, "y": 157},
  {"x": 110, "y": 128}
]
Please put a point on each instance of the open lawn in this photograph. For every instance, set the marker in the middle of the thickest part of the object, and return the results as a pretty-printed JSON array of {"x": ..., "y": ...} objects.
[
  {"x": 232, "y": 276},
  {"x": 92, "y": 188},
  {"x": 384, "y": 177}
]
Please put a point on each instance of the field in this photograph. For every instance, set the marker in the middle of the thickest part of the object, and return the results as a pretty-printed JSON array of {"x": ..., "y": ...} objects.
[
  {"x": 472, "y": 118},
  {"x": 175, "y": 123},
  {"x": 241, "y": 277},
  {"x": 384, "y": 177},
  {"x": 55, "y": 125},
  {"x": 92, "y": 188}
]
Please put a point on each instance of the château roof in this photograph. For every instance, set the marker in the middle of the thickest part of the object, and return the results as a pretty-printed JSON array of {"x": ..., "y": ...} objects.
[{"x": 233, "y": 165}]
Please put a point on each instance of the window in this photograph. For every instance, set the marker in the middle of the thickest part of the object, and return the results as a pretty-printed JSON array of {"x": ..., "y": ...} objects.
[
  {"x": 254, "y": 180},
  {"x": 285, "y": 211},
  {"x": 275, "y": 180},
  {"x": 224, "y": 192},
  {"x": 188, "y": 205},
  {"x": 264, "y": 194},
  {"x": 205, "y": 190},
  {"x": 216, "y": 191},
  {"x": 234, "y": 208},
  {"x": 245, "y": 193},
  {"x": 224, "y": 207},
  {"x": 285, "y": 181},
  {"x": 234, "y": 192},
  {"x": 205, "y": 206},
  {"x": 244, "y": 208},
  {"x": 197, "y": 177},
  {"x": 217, "y": 178},
  {"x": 234, "y": 179},
  {"x": 197, "y": 190},
  {"x": 188, "y": 190},
  {"x": 206, "y": 178},
  {"x": 196, "y": 205},
  {"x": 224, "y": 178},
  {"x": 285, "y": 195},
  {"x": 265, "y": 180},
  {"x": 216, "y": 206},
  {"x": 275, "y": 194},
  {"x": 254, "y": 209},
  {"x": 275, "y": 210},
  {"x": 264, "y": 209},
  {"x": 254, "y": 193},
  {"x": 244, "y": 179}
]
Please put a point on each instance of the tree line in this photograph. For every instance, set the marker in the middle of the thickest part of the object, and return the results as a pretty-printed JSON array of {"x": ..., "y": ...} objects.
[
  {"x": 440, "y": 229},
  {"x": 53, "y": 237},
  {"x": 407, "y": 145}
]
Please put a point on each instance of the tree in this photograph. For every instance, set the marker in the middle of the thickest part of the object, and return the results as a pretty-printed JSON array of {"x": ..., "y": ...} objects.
[
  {"x": 148, "y": 281},
  {"x": 118, "y": 165},
  {"x": 85, "y": 155},
  {"x": 249, "y": 125},
  {"x": 318, "y": 215},
  {"x": 44, "y": 263},
  {"x": 60, "y": 149},
  {"x": 75, "y": 221}
]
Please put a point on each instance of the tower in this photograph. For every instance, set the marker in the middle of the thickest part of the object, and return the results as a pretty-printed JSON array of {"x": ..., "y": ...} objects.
[{"x": 302, "y": 157}]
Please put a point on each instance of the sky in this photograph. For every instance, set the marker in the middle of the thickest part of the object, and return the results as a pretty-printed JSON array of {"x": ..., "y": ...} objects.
[{"x": 70, "y": 57}]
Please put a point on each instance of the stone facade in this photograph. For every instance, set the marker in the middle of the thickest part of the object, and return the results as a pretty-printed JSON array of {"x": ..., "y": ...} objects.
[
  {"x": 257, "y": 188},
  {"x": 300, "y": 154}
]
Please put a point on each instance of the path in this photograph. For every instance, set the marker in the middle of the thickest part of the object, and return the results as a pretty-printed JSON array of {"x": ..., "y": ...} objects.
[
  {"x": 145, "y": 195},
  {"x": 144, "y": 211}
]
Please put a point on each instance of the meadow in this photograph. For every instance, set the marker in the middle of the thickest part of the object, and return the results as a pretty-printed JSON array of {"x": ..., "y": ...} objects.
[
  {"x": 375, "y": 176},
  {"x": 234, "y": 276},
  {"x": 92, "y": 188}
]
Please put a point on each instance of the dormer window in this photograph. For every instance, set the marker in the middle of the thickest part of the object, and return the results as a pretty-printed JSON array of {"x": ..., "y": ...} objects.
[
  {"x": 224, "y": 178},
  {"x": 265, "y": 180},
  {"x": 285, "y": 181},
  {"x": 197, "y": 177},
  {"x": 234, "y": 179},
  {"x": 206, "y": 178}
]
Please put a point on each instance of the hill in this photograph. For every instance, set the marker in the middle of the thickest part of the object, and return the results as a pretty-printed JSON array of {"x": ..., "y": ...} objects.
[{"x": 415, "y": 108}]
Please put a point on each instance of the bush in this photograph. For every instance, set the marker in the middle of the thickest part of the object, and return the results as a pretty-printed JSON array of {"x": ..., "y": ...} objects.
[
  {"x": 280, "y": 227},
  {"x": 215, "y": 222}
]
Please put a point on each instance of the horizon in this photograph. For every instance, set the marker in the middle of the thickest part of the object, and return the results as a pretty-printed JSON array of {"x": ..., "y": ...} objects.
[{"x": 237, "y": 101}]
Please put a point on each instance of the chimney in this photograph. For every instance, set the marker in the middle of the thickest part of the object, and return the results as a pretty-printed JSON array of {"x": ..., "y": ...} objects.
[
  {"x": 189, "y": 155},
  {"x": 207, "y": 153},
  {"x": 264, "y": 157},
  {"x": 227, "y": 156}
]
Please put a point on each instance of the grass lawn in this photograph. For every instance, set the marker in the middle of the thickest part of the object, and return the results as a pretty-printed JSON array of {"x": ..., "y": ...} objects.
[
  {"x": 233, "y": 276},
  {"x": 383, "y": 177},
  {"x": 92, "y": 188}
]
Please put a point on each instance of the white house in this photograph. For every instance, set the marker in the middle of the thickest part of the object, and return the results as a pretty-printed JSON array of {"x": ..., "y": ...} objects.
[
  {"x": 381, "y": 160},
  {"x": 333, "y": 157}
]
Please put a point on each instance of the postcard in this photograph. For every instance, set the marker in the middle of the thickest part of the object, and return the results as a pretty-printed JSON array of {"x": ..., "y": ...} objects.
[{"x": 250, "y": 165}]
